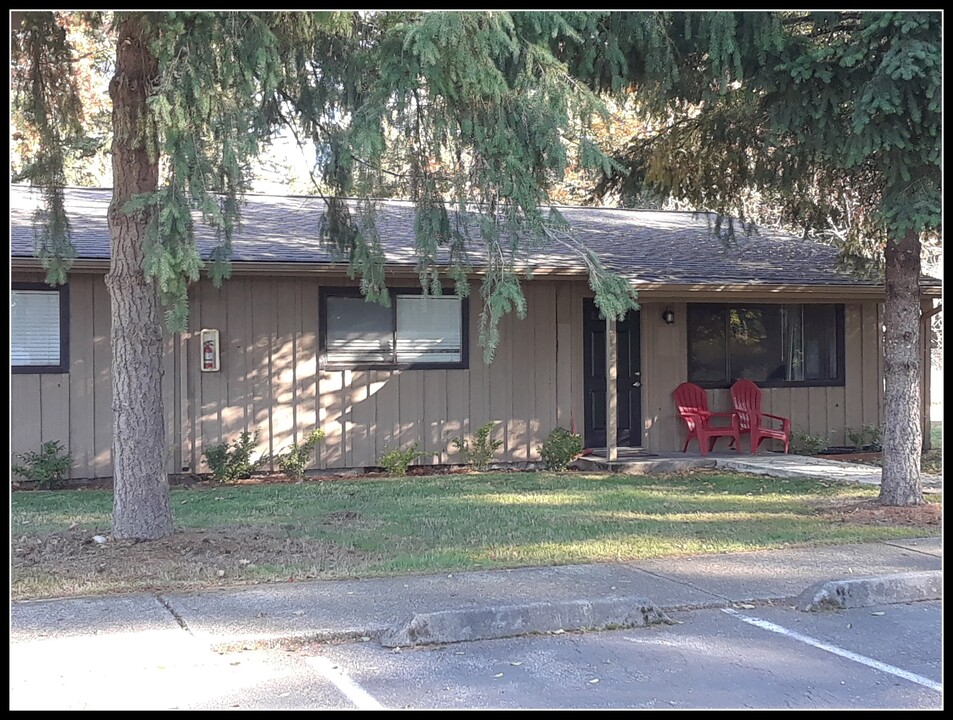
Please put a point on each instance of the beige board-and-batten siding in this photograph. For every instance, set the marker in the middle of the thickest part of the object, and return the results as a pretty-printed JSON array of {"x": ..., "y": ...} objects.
[
  {"x": 75, "y": 408},
  {"x": 270, "y": 380}
]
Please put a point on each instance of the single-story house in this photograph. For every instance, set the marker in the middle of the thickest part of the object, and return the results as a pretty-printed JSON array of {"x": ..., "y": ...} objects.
[{"x": 299, "y": 349}]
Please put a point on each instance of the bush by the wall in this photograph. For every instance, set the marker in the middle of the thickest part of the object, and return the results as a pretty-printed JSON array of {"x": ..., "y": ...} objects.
[
  {"x": 480, "y": 451},
  {"x": 397, "y": 461},
  {"x": 807, "y": 444},
  {"x": 560, "y": 449},
  {"x": 294, "y": 461},
  {"x": 233, "y": 462},
  {"x": 869, "y": 438},
  {"x": 46, "y": 467}
]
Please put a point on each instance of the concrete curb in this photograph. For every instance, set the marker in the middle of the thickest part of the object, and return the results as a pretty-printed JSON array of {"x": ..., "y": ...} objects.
[
  {"x": 867, "y": 591},
  {"x": 486, "y": 623},
  {"x": 290, "y": 639}
]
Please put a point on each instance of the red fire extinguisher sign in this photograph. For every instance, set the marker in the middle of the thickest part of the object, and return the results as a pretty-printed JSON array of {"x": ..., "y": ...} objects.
[{"x": 210, "y": 351}]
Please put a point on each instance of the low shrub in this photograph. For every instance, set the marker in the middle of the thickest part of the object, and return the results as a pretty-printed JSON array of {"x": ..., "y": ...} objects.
[
  {"x": 46, "y": 467},
  {"x": 295, "y": 460},
  {"x": 228, "y": 463},
  {"x": 560, "y": 449},
  {"x": 397, "y": 461},
  {"x": 869, "y": 438},
  {"x": 807, "y": 444},
  {"x": 478, "y": 453}
]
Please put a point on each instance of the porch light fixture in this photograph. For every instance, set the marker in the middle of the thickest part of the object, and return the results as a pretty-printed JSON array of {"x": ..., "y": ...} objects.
[{"x": 669, "y": 317}]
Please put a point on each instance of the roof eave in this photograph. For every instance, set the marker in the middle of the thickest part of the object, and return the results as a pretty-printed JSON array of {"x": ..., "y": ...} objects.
[{"x": 654, "y": 290}]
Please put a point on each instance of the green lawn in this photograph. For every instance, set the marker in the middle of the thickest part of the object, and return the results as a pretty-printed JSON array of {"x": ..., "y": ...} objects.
[{"x": 378, "y": 526}]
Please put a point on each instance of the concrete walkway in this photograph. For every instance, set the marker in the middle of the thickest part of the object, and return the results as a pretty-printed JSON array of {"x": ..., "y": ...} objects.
[
  {"x": 773, "y": 465},
  {"x": 795, "y": 466},
  {"x": 353, "y": 609}
]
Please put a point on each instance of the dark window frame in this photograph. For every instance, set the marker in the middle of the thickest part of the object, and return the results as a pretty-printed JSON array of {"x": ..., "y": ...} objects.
[
  {"x": 839, "y": 335},
  {"x": 63, "y": 366},
  {"x": 350, "y": 292}
]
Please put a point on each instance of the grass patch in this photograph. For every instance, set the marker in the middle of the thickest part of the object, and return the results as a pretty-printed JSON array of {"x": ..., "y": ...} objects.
[{"x": 379, "y": 526}]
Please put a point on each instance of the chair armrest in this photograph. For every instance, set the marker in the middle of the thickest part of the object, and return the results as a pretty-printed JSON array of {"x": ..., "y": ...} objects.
[
  {"x": 735, "y": 420},
  {"x": 785, "y": 422},
  {"x": 692, "y": 415}
]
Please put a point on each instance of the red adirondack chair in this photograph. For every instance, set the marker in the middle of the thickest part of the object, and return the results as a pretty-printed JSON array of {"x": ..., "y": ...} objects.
[
  {"x": 746, "y": 397},
  {"x": 692, "y": 403}
]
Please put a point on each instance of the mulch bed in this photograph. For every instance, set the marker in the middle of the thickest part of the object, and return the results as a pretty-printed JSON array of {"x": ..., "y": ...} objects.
[
  {"x": 265, "y": 478},
  {"x": 226, "y": 555},
  {"x": 871, "y": 512}
]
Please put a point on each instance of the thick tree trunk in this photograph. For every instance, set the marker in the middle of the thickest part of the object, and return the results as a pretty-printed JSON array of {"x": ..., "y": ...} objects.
[
  {"x": 141, "y": 505},
  {"x": 902, "y": 436}
]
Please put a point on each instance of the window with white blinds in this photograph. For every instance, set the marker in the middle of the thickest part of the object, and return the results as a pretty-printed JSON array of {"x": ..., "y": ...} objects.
[
  {"x": 416, "y": 331},
  {"x": 429, "y": 329},
  {"x": 35, "y": 318},
  {"x": 358, "y": 332}
]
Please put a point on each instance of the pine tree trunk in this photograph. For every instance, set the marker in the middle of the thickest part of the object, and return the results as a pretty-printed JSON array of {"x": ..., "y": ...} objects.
[
  {"x": 902, "y": 437},
  {"x": 141, "y": 504}
]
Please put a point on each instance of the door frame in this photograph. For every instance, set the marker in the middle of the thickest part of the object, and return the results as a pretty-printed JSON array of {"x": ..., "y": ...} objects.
[{"x": 635, "y": 437}]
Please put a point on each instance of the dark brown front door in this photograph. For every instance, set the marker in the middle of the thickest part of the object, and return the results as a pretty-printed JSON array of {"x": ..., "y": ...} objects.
[{"x": 629, "y": 384}]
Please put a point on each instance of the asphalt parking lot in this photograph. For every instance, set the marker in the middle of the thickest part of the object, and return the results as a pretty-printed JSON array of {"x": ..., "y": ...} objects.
[{"x": 765, "y": 657}]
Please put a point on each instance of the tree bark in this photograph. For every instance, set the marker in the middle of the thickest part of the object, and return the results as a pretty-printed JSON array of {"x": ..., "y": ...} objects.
[
  {"x": 141, "y": 504},
  {"x": 902, "y": 436}
]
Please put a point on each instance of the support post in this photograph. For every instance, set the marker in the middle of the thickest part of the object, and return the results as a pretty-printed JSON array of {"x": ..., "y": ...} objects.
[
  {"x": 612, "y": 395},
  {"x": 927, "y": 311}
]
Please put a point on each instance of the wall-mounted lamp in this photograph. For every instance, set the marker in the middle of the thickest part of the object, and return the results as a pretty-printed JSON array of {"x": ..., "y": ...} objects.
[{"x": 669, "y": 317}]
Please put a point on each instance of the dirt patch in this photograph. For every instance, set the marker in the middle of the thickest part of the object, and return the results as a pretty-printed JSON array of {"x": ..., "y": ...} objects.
[
  {"x": 342, "y": 518},
  {"x": 272, "y": 478},
  {"x": 72, "y": 562},
  {"x": 870, "y": 512},
  {"x": 185, "y": 480}
]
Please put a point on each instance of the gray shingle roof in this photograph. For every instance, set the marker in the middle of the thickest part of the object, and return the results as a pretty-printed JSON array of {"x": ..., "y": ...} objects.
[{"x": 647, "y": 246}]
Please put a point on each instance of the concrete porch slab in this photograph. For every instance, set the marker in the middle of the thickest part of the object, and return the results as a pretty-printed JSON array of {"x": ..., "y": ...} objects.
[{"x": 647, "y": 465}]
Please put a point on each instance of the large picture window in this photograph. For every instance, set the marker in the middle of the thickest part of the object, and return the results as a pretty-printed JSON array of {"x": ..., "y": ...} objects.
[
  {"x": 38, "y": 328},
  {"x": 773, "y": 345},
  {"x": 425, "y": 331}
]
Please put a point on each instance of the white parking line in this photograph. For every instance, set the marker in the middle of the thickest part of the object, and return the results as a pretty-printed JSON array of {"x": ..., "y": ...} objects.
[
  {"x": 827, "y": 647},
  {"x": 337, "y": 675}
]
